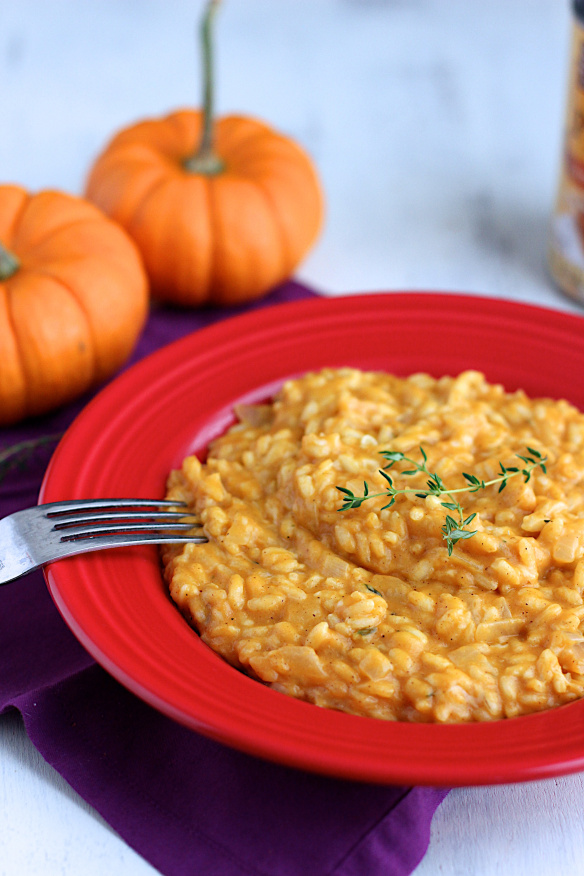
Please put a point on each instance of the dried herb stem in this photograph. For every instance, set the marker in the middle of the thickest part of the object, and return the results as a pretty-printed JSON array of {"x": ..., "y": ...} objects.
[{"x": 17, "y": 455}]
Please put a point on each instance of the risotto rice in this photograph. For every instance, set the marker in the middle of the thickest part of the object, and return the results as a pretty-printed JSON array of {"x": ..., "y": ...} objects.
[{"x": 363, "y": 610}]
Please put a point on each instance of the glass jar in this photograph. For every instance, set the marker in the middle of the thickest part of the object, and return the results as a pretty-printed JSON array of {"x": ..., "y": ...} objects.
[{"x": 566, "y": 243}]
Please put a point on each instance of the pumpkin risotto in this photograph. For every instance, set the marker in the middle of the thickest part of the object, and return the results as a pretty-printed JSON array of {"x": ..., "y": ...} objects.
[{"x": 363, "y": 609}]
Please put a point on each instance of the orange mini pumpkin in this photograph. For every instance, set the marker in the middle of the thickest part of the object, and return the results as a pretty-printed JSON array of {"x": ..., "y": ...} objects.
[
  {"x": 73, "y": 299},
  {"x": 221, "y": 223}
]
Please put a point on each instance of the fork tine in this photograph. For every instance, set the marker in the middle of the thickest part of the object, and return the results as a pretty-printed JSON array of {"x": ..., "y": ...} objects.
[
  {"x": 129, "y": 539},
  {"x": 35, "y": 536},
  {"x": 53, "y": 509},
  {"x": 75, "y": 519},
  {"x": 85, "y": 532}
]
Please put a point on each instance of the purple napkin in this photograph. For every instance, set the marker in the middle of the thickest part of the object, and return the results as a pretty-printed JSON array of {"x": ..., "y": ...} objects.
[{"x": 185, "y": 803}]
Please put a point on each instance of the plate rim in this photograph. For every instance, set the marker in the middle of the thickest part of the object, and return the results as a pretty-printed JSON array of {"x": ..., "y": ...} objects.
[{"x": 326, "y": 763}]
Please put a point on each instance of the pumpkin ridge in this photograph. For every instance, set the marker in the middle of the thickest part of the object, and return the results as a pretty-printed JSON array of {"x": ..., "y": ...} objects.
[
  {"x": 22, "y": 368},
  {"x": 74, "y": 223},
  {"x": 167, "y": 232},
  {"x": 115, "y": 208},
  {"x": 213, "y": 236},
  {"x": 182, "y": 122},
  {"x": 32, "y": 405},
  {"x": 131, "y": 153},
  {"x": 245, "y": 264},
  {"x": 16, "y": 219},
  {"x": 139, "y": 206},
  {"x": 43, "y": 272},
  {"x": 5, "y": 288},
  {"x": 311, "y": 191},
  {"x": 144, "y": 136},
  {"x": 237, "y": 143},
  {"x": 239, "y": 130},
  {"x": 288, "y": 248},
  {"x": 207, "y": 185},
  {"x": 98, "y": 221},
  {"x": 285, "y": 257},
  {"x": 38, "y": 206},
  {"x": 213, "y": 224}
]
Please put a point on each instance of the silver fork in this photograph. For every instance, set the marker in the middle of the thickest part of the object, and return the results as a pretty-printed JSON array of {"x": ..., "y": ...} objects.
[{"x": 39, "y": 535}]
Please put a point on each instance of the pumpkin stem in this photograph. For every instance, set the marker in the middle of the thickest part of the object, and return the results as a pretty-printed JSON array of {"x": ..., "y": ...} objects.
[
  {"x": 205, "y": 160},
  {"x": 9, "y": 264}
]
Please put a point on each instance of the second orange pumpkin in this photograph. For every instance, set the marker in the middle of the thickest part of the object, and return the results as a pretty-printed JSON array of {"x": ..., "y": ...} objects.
[
  {"x": 73, "y": 300},
  {"x": 221, "y": 237}
]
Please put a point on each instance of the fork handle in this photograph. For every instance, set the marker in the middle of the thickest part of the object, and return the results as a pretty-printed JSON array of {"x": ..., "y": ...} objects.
[
  {"x": 19, "y": 561},
  {"x": 11, "y": 569}
]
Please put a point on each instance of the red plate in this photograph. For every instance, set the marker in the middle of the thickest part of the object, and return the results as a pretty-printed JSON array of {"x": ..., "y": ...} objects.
[{"x": 143, "y": 424}]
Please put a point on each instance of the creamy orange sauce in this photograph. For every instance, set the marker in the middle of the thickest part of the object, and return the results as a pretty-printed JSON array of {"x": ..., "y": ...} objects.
[{"x": 363, "y": 610}]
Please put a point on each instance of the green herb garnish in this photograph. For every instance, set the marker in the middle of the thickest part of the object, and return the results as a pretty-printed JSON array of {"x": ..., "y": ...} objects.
[
  {"x": 373, "y": 590},
  {"x": 455, "y": 527}
]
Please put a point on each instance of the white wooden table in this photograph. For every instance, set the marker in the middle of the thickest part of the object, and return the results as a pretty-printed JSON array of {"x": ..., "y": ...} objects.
[{"x": 436, "y": 127}]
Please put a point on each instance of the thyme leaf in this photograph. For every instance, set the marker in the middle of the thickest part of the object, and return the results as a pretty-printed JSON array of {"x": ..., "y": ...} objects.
[
  {"x": 455, "y": 527},
  {"x": 373, "y": 590}
]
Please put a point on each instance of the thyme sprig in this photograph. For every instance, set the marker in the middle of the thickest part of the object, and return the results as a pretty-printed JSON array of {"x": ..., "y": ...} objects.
[{"x": 455, "y": 528}]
